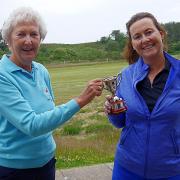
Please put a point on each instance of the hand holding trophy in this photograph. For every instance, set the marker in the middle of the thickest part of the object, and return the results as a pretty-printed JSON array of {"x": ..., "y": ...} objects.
[{"x": 110, "y": 84}]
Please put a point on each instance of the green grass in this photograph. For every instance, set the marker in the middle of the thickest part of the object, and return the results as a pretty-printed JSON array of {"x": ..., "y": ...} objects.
[
  {"x": 88, "y": 138},
  {"x": 72, "y": 129},
  {"x": 69, "y": 81},
  {"x": 75, "y": 151}
]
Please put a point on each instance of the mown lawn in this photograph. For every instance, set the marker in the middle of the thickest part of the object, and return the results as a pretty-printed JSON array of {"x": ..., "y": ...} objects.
[{"x": 88, "y": 138}]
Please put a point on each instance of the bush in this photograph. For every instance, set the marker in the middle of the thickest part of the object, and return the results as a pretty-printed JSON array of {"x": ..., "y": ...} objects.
[
  {"x": 95, "y": 128},
  {"x": 71, "y": 130}
]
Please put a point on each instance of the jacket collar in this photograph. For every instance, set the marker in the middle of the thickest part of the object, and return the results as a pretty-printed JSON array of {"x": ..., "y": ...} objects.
[
  {"x": 141, "y": 69},
  {"x": 141, "y": 66},
  {"x": 10, "y": 66}
]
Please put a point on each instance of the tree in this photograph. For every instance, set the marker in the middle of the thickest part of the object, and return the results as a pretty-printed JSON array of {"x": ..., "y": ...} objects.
[
  {"x": 173, "y": 30},
  {"x": 119, "y": 37},
  {"x": 104, "y": 39},
  {"x": 115, "y": 35},
  {"x": 112, "y": 45},
  {"x": 3, "y": 45}
]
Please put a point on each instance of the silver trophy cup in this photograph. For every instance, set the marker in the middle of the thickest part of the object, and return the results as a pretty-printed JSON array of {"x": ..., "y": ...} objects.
[{"x": 110, "y": 84}]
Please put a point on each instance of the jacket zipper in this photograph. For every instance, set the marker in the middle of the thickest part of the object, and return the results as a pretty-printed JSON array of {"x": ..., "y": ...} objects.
[{"x": 147, "y": 146}]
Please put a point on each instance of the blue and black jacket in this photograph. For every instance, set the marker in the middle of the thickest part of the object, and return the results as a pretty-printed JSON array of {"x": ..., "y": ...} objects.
[{"x": 150, "y": 142}]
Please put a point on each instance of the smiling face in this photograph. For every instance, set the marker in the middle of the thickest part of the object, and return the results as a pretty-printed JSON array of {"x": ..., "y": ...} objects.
[
  {"x": 24, "y": 44},
  {"x": 146, "y": 39}
]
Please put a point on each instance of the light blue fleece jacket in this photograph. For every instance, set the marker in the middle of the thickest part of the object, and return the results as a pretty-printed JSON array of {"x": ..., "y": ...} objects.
[{"x": 28, "y": 115}]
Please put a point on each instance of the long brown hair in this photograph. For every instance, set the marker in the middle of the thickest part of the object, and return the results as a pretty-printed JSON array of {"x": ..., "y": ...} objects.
[{"x": 129, "y": 53}]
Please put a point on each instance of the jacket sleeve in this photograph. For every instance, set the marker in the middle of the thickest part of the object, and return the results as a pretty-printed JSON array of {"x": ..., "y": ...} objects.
[
  {"x": 16, "y": 109},
  {"x": 118, "y": 120}
]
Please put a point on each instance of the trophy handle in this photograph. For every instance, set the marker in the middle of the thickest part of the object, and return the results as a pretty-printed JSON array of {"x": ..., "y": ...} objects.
[
  {"x": 118, "y": 79},
  {"x": 118, "y": 106}
]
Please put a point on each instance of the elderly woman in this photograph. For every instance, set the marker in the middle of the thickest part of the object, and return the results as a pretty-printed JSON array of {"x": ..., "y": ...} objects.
[
  {"x": 149, "y": 146},
  {"x": 27, "y": 110}
]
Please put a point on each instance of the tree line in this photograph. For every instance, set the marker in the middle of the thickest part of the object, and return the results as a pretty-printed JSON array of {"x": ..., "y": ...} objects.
[{"x": 106, "y": 48}]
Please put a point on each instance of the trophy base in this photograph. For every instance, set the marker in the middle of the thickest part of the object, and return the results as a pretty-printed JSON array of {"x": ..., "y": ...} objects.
[{"x": 118, "y": 106}]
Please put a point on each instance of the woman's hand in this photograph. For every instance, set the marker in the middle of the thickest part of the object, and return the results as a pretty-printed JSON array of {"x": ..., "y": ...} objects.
[{"x": 94, "y": 88}]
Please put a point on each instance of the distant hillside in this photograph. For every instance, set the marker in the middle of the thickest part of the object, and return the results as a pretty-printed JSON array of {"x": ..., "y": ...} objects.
[
  {"x": 107, "y": 48},
  {"x": 59, "y": 53}
]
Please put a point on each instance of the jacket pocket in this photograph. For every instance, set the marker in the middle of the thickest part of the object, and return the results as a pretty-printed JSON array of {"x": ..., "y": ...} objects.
[
  {"x": 174, "y": 137},
  {"x": 124, "y": 133}
]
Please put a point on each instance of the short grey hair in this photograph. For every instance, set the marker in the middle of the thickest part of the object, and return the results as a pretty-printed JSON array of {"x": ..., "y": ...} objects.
[{"x": 20, "y": 15}]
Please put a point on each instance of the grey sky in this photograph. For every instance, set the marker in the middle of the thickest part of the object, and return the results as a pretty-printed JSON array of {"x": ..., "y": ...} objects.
[{"x": 78, "y": 21}]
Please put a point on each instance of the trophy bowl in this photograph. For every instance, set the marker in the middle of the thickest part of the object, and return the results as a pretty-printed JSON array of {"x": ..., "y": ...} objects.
[{"x": 110, "y": 84}]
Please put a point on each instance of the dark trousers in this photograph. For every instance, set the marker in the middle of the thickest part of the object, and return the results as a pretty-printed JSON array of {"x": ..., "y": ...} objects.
[
  {"x": 47, "y": 172},
  {"x": 120, "y": 173}
]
